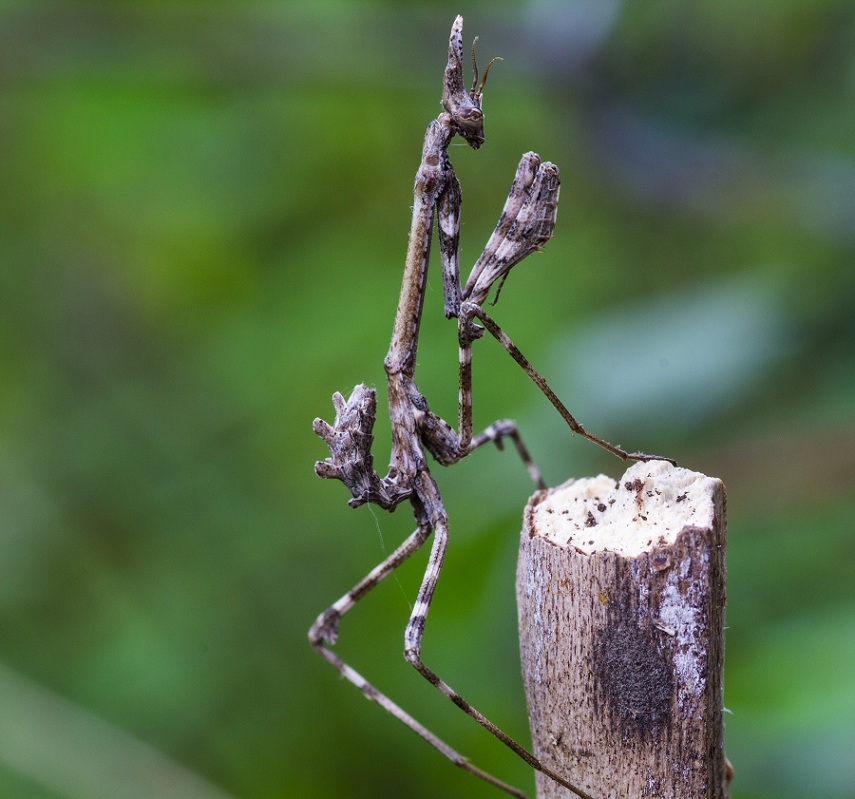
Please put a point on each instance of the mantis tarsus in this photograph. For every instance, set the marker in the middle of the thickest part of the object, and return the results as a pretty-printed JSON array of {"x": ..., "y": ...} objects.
[{"x": 526, "y": 224}]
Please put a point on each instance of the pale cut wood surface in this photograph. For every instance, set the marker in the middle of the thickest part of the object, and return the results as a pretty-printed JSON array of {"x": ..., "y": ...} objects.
[{"x": 621, "y": 593}]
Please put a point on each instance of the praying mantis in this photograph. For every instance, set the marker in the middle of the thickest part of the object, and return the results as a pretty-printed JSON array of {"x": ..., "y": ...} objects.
[{"x": 525, "y": 225}]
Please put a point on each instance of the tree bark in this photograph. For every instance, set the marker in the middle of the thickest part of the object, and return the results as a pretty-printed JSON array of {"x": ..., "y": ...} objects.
[{"x": 621, "y": 591}]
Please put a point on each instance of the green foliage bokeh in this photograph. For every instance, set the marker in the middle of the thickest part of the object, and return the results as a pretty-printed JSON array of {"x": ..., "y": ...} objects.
[{"x": 202, "y": 226}]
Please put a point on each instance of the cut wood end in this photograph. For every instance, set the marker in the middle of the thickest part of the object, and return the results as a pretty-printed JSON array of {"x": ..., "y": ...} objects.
[{"x": 646, "y": 508}]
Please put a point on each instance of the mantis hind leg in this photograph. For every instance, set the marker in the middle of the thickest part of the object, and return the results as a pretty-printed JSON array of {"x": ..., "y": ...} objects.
[{"x": 325, "y": 631}]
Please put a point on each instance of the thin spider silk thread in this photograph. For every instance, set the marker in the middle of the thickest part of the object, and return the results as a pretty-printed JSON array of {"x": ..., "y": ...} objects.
[{"x": 385, "y": 554}]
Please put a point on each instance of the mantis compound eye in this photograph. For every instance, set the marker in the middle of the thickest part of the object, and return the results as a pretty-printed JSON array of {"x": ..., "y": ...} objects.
[
  {"x": 470, "y": 117},
  {"x": 469, "y": 120}
]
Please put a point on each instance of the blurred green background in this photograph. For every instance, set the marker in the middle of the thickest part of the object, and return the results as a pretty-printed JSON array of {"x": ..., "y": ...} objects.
[{"x": 203, "y": 219}]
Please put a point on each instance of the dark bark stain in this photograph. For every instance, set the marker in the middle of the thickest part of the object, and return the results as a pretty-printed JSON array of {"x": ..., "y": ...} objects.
[{"x": 633, "y": 677}]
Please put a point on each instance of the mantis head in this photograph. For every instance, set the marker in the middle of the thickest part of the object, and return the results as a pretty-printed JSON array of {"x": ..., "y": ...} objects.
[{"x": 464, "y": 107}]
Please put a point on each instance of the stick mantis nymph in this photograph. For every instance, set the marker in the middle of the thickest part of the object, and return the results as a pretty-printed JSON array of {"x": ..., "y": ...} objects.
[{"x": 525, "y": 225}]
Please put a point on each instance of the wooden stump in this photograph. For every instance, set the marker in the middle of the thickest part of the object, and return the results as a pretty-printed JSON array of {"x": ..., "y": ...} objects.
[{"x": 621, "y": 590}]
